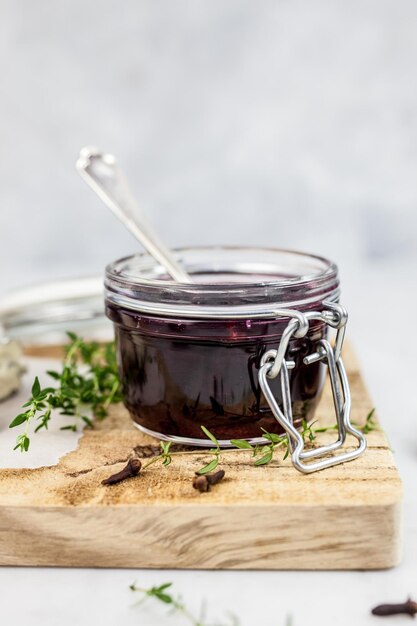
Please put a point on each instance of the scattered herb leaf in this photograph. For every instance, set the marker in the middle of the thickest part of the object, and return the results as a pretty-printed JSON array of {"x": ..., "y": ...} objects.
[
  {"x": 210, "y": 436},
  {"x": 163, "y": 595},
  {"x": 242, "y": 444},
  {"x": 209, "y": 467}
]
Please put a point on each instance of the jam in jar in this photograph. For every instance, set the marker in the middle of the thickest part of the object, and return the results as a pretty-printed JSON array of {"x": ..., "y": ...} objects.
[{"x": 189, "y": 353}]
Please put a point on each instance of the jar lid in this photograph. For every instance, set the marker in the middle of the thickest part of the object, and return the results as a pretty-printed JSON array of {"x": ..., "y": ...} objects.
[
  {"x": 44, "y": 313},
  {"x": 228, "y": 282}
]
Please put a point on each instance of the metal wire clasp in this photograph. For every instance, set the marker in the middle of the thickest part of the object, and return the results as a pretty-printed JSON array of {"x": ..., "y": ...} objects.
[{"x": 274, "y": 363}]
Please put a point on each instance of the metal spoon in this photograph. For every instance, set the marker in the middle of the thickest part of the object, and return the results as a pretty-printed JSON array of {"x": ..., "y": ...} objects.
[{"x": 102, "y": 173}]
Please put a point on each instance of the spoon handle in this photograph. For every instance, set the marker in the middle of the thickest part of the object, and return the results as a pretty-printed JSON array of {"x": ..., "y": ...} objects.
[{"x": 102, "y": 173}]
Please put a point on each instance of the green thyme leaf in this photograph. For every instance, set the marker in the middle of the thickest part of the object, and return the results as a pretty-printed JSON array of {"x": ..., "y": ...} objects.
[
  {"x": 53, "y": 374},
  {"x": 370, "y": 423},
  {"x": 271, "y": 436},
  {"x": 36, "y": 388},
  {"x": 264, "y": 460},
  {"x": 164, "y": 586},
  {"x": 209, "y": 467},
  {"x": 19, "y": 419},
  {"x": 165, "y": 446},
  {"x": 325, "y": 429},
  {"x": 22, "y": 443},
  {"x": 210, "y": 436},
  {"x": 242, "y": 444},
  {"x": 164, "y": 597}
]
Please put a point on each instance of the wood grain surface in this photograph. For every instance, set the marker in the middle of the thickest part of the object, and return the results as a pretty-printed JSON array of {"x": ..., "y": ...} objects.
[{"x": 271, "y": 517}]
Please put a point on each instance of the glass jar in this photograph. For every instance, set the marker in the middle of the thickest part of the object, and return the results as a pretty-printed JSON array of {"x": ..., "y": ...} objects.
[{"x": 189, "y": 354}]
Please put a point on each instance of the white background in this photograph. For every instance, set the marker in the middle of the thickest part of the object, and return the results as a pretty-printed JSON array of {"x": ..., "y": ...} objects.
[{"x": 285, "y": 123}]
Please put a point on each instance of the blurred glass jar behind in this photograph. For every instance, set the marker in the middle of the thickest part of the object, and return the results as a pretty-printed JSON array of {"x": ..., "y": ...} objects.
[{"x": 40, "y": 316}]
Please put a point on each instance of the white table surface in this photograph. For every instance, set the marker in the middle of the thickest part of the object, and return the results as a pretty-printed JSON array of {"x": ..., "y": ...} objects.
[{"x": 48, "y": 597}]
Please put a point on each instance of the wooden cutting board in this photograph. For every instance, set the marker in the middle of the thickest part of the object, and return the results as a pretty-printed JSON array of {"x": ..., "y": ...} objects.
[{"x": 271, "y": 517}]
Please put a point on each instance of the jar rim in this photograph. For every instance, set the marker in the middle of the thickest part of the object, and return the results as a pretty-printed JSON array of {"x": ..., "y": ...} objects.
[
  {"x": 114, "y": 269},
  {"x": 264, "y": 278}
]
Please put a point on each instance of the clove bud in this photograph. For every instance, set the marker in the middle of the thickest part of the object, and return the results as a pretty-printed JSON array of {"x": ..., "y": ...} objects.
[
  {"x": 409, "y": 608},
  {"x": 131, "y": 469},
  {"x": 204, "y": 482}
]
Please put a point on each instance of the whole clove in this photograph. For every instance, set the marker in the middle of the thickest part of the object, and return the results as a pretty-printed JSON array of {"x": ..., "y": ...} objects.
[
  {"x": 409, "y": 608},
  {"x": 204, "y": 482},
  {"x": 131, "y": 469}
]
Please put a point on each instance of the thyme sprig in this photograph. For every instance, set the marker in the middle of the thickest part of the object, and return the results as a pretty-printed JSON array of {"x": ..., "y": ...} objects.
[
  {"x": 162, "y": 594},
  {"x": 87, "y": 384},
  {"x": 262, "y": 453}
]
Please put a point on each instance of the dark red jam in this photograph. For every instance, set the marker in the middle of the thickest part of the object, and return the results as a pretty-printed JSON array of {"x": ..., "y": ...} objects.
[{"x": 179, "y": 374}]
